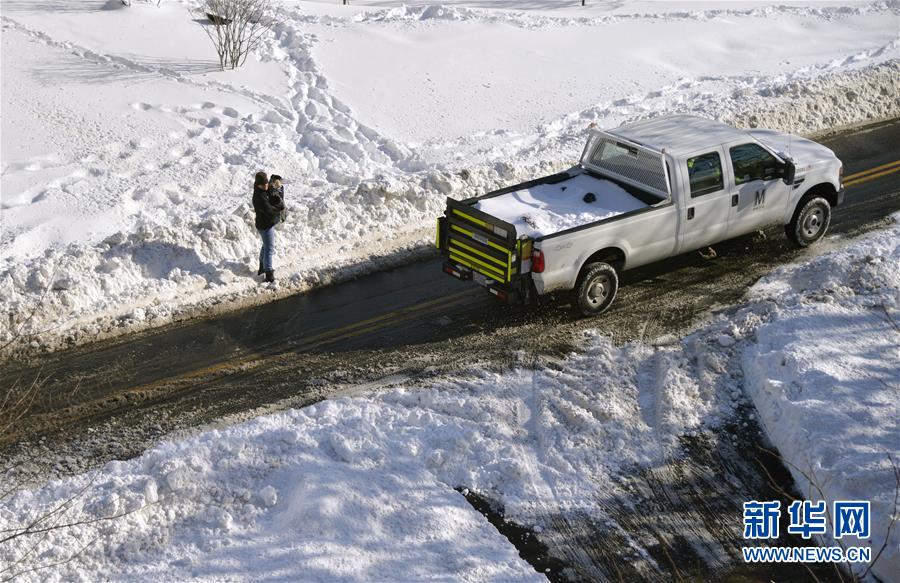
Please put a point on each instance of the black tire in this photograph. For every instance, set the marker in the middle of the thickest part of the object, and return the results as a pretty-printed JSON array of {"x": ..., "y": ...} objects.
[
  {"x": 810, "y": 222},
  {"x": 596, "y": 288}
]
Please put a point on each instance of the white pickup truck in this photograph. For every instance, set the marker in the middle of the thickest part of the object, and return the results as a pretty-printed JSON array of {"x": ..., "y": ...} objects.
[{"x": 642, "y": 192}]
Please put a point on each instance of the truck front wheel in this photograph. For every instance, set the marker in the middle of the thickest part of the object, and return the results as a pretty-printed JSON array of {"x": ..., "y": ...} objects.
[
  {"x": 596, "y": 288},
  {"x": 810, "y": 222}
]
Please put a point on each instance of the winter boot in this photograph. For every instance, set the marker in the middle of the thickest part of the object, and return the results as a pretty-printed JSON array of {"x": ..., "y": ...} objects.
[
  {"x": 261, "y": 269},
  {"x": 270, "y": 276}
]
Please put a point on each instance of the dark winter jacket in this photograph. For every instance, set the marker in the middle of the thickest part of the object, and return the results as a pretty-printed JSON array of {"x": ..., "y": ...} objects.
[
  {"x": 267, "y": 214},
  {"x": 276, "y": 197}
]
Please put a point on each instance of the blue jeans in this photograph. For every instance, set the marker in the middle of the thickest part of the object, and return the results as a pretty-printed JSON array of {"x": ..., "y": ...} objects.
[{"x": 268, "y": 248}]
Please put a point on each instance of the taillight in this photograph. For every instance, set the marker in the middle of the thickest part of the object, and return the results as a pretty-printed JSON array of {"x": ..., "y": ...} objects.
[{"x": 537, "y": 261}]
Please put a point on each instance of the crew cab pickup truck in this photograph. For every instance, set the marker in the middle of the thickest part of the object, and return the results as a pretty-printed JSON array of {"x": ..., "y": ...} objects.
[{"x": 642, "y": 192}]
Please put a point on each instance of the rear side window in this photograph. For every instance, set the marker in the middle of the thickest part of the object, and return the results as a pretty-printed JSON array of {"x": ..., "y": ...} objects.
[
  {"x": 752, "y": 162},
  {"x": 705, "y": 172}
]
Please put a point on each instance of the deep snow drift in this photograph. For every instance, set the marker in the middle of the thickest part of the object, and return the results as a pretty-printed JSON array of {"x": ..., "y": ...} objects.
[
  {"x": 363, "y": 487},
  {"x": 127, "y": 160}
]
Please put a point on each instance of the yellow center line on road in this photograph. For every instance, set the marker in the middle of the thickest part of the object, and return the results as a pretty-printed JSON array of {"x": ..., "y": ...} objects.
[
  {"x": 871, "y": 176},
  {"x": 355, "y": 329},
  {"x": 855, "y": 175},
  {"x": 388, "y": 315},
  {"x": 388, "y": 318},
  {"x": 378, "y": 326}
]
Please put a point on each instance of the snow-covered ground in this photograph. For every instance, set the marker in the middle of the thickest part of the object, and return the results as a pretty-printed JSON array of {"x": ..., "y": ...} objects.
[
  {"x": 824, "y": 374},
  {"x": 364, "y": 487},
  {"x": 127, "y": 157}
]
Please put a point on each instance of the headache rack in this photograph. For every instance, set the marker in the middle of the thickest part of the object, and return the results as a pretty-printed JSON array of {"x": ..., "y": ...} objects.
[
  {"x": 627, "y": 162},
  {"x": 481, "y": 247}
]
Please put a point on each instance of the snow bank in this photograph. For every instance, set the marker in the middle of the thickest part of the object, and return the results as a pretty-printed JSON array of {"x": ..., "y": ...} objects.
[
  {"x": 363, "y": 488},
  {"x": 550, "y": 208},
  {"x": 126, "y": 195},
  {"x": 530, "y": 18},
  {"x": 824, "y": 374}
]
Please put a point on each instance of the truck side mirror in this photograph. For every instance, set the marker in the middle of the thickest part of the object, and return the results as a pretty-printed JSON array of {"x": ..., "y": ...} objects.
[{"x": 789, "y": 171}]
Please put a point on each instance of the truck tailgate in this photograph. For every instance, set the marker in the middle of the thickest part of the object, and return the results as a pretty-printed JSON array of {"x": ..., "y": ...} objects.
[{"x": 478, "y": 243}]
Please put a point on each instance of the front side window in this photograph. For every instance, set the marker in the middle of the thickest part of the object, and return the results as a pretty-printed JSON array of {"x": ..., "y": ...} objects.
[
  {"x": 752, "y": 162},
  {"x": 705, "y": 172}
]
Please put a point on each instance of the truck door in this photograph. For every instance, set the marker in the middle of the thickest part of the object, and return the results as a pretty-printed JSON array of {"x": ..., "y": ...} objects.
[
  {"x": 759, "y": 195},
  {"x": 706, "y": 202}
]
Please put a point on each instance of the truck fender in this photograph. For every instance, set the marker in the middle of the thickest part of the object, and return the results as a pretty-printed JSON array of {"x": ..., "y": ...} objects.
[
  {"x": 827, "y": 189},
  {"x": 612, "y": 254}
]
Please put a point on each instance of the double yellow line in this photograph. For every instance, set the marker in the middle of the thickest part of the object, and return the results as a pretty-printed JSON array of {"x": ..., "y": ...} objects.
[
  {"x": 259, "y": 357},
  {"x": 384, "y": 320},
  {"x": 872, "y": 173}
]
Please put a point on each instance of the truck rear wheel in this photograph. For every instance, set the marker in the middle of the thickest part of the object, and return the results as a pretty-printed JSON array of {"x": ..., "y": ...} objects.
[
  {"x": 596, "y": 288},
  {"x": 810, "y": 222}
]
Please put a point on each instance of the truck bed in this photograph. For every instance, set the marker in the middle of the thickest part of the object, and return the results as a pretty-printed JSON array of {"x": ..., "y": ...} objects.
[{"x": 549, "y": 208}]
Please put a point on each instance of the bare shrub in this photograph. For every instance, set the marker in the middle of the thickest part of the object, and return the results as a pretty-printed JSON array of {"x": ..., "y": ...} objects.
[{"x": 236, "y": 27}]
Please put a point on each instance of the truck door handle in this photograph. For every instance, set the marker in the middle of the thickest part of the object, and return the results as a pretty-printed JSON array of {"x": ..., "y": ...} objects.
[
  {"x": 690, "y": 213},
  {"x": 734, "y": 200}
]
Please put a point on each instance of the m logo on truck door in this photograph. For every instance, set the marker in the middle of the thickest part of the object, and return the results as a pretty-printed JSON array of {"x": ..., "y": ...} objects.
[{"x": 760, "y": 198}]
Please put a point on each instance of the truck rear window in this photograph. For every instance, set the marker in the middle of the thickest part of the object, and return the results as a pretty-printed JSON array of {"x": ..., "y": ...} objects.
[{"x": 705, "y": 172}]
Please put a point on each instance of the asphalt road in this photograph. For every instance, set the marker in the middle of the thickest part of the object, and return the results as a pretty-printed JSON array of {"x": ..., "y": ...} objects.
[{"x": 112, "y": 399}]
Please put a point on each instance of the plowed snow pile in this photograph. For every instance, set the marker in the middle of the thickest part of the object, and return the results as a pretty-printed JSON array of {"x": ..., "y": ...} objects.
[
  {"x": 127, "y": 157},
  {"x": 360, "y": 488}
]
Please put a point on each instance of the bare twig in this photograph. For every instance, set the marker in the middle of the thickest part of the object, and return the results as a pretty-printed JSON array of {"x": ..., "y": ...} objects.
[
  {"x": 68, "y": 559},
  {"x": 890, "y": 318},
  {"x": 887, "y": 534},
  {"x": 18, "y": 334},
  {"x": 814, "y": 482}
]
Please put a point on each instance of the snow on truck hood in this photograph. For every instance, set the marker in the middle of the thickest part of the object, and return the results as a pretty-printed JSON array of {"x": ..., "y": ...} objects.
[
  {"x": 804, "y": 152},
  {"x": 550, "y": 208}
]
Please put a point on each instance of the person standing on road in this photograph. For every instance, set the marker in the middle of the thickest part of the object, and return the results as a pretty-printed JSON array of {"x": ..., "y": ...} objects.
[{"x": 267, "y": 216}]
